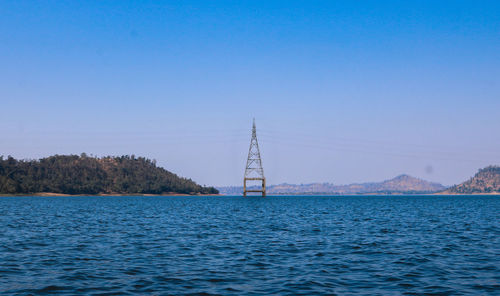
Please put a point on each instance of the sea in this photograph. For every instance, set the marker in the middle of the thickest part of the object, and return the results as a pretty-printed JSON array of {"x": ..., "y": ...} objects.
[{"x": 286, "y": 245}]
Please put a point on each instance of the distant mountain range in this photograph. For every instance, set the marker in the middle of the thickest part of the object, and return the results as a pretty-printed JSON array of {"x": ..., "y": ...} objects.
[
  {"x": 487, "y": 180},
  {"x": 402, "y": 184}
]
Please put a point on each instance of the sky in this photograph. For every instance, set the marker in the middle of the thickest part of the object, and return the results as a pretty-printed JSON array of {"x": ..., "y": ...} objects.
[{"x": 341, "y": 91}]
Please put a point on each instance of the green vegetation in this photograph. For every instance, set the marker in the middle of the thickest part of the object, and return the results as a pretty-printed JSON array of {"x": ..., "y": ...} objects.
[
  {"x": 487, "y": 180},
  {"x": 73, "y": 174}
]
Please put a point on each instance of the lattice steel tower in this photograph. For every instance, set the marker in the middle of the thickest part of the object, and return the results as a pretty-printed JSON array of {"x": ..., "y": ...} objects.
[{"x": 254, "y": 170}]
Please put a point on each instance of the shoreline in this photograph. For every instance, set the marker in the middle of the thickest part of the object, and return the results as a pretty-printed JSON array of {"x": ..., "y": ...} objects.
[
  {"x": 378, "y": 194},
  {"x": 52, "y": 194}
]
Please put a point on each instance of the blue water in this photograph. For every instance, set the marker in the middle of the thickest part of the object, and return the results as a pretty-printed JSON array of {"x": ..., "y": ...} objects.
[{"x": 250, "y": 246}]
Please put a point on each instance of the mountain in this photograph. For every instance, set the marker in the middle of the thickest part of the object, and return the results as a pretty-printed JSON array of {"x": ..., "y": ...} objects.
[
  {"x": 73, "y": 174},
  {"x": 486, "y": 180},
  {"x": 399, "y": 184},
  {"x": 402, "y": 184}
]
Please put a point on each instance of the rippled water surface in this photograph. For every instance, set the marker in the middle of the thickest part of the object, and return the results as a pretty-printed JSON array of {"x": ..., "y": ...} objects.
[{"x": 250, "y": 246}]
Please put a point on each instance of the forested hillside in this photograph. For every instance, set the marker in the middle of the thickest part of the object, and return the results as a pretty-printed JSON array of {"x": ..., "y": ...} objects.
[
  {"x": 487, "y": 180},
  {"x": 73, "y": 174}
]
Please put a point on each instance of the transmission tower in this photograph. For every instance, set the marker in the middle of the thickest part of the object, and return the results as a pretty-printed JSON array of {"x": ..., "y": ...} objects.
[{"x": 254, "y": 170}]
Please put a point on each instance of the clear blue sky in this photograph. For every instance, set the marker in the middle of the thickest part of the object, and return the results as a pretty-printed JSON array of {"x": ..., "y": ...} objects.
[{"x": 342, "y": 91}]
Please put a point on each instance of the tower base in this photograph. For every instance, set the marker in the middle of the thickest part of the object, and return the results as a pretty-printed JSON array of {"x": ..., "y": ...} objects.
[{"x": 263, "y": 190}]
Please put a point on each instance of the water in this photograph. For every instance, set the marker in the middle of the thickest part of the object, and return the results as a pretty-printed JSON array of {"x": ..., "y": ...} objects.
[{"x": 232, "y": 245}]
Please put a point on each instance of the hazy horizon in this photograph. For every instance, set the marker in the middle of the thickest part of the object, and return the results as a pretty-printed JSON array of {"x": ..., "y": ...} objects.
[
  {"x": 331, "y": 183},
  {"x": 342, "y": 92}
]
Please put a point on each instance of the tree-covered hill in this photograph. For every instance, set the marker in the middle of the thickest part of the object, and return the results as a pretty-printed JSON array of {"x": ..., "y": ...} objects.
[
  {"x": 487, "y": 180},
  {"x": 73, "y": 174}
]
